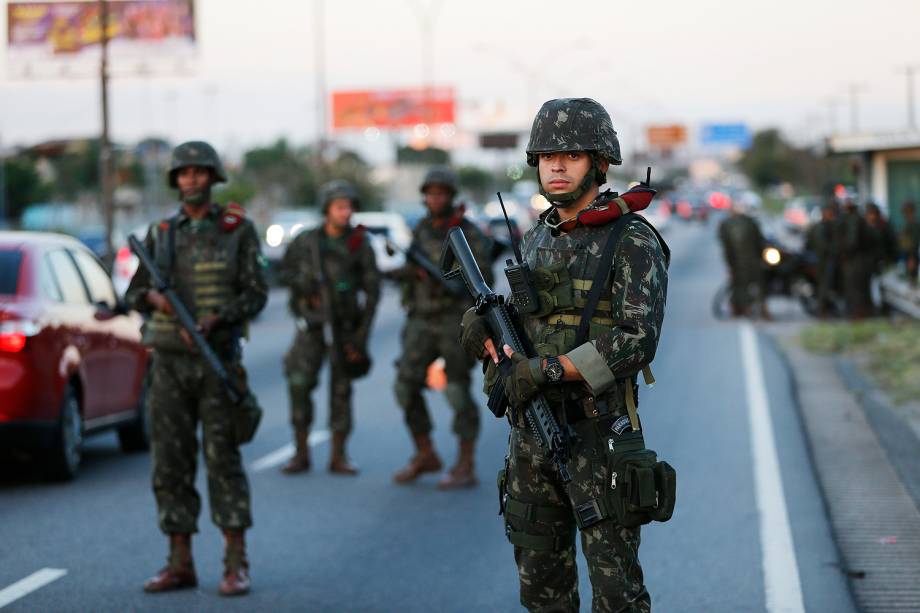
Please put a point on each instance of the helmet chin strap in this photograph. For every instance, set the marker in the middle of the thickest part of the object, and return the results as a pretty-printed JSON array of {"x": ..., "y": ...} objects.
[{"x": 195, "y": 197}]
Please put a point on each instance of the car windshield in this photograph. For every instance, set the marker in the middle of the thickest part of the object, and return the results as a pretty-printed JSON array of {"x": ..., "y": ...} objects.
[{"x": 9, "y": 271}]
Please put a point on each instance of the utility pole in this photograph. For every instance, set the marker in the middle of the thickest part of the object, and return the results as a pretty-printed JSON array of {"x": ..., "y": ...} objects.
[
  {"x": 319, "y": 57},
  {"x": 908, "y": 72},
  {"x": 426, "y": 17},
  {"x": 854, "y": 89},
  {"x": 831, "y": 105},
  {"x": 106, "y": 175}
]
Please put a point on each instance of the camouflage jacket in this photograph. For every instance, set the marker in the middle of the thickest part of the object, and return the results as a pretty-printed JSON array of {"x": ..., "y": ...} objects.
[
  {"x": 820, "y": 239},
  {"x": 428, "y": 297},
  {"x": 742, "y": 242},
  {"x": 215, "y": 267},
  {"x": 350, "y": 267},
  {"x": 909, "y": 238},
  {"x": 626, "y": 325}
]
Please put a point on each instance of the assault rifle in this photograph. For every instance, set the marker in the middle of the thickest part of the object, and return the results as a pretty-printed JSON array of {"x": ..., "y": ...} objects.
[
  {"x": 186, "y": 320},
  {"x": 415, "y": 255},
  {"x": 506, "y": 330}
]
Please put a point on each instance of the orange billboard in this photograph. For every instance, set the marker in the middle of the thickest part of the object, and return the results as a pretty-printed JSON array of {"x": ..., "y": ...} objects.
[
  {"x": 666, "y": 136},
  {"x": 392, "y": 109}
]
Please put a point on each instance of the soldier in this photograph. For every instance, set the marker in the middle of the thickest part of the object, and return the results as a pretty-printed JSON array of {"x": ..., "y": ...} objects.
[
  {"x": 742, "y": 246},
  {"x": 211, "y": 255},
  {"x": 592, "y": 384},
  {"x": 431, "y": 331},
  {"x": 821, "y": 241},
  {"x": 883, "y": 239},
  {"x": 340, "y": 256},
  {"x": 909, "y": 240},
  {"x": 856, "y": 254}
]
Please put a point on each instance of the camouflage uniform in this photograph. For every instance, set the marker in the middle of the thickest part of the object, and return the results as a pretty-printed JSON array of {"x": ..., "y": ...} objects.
[
  {"x": 350, "y": 267},
  {"x": 541, "y": 513},
  {"x": 909, "y": 241},
  {"x": 216, "y": 268},
  {"x": 742, "y": 246},
  {"x": 821, "y": 240},
  {"x": 857, "y": 251},
  {"x": 431, "y": 332}
]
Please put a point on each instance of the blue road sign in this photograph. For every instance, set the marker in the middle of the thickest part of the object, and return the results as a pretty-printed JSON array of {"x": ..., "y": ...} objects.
[{"x": 726, "y": 134}]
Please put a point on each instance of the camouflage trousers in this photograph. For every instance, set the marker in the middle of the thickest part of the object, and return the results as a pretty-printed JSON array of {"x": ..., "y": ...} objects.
[
  {"x": 183, "y": 391},
  {"x": 538, "y": 510},
  {"x": 424, "y": 339},
  {"x": 301, "y": 366}
]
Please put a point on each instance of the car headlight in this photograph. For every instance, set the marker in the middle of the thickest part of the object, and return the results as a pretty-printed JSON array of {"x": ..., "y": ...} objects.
[
  {"x": 772, "y": 256},
  {"x": 274, "y": 236}
]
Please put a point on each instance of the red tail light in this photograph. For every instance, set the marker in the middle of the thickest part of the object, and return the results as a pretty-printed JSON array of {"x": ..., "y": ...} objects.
[{"x": 12, "y": 342}]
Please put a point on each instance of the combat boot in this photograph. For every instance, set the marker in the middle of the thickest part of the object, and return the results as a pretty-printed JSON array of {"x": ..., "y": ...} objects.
[
  {"x": 179, "y": 572},
  {"x": 236, "y": 566},
  {"x": 425, "y": 460},
  {"x": 300, "y": 462},
  {"x": 462, "y": 474},
  {"x": 338, "y": 461}
]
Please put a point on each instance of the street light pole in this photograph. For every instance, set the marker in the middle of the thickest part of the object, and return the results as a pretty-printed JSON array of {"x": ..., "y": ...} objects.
[
  {"x": 106, "y": 177},
  {"x": 319, "y": 57},
  {"x": 426, "y": 17},
  {"x": 909, "y": 73}
]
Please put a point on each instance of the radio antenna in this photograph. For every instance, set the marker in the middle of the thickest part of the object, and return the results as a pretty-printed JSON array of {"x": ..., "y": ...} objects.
[{"x": 514, "y": 245}]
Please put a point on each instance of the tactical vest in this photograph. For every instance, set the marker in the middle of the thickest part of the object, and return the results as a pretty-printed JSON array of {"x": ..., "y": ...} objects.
[
  {"x": 202, "y": 267},
  {"x": 431, "y": 297},
  {"x": 564, "y": 274},
  {"x": 343, "y": 264}
]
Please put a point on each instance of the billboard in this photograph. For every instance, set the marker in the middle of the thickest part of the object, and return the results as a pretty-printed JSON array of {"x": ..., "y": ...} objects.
[
  {"x": 392, "y": 109},
  {"x": 60, "y": 38},
  {"x": 666, "y": 136},
  {"x": 725, "y": 135}
]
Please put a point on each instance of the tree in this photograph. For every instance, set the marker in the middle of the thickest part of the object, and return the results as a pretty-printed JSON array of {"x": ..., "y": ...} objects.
[
  {"x": 477, "y": 182},
  {"x": 23, "y": 184}
]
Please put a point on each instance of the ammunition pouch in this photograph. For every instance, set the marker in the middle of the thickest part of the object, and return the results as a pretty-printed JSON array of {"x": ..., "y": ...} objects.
[
  {"x": 246, "y": 414},
  {"x": 554, "y": 289},
  {"x": 639, "y": 488}
]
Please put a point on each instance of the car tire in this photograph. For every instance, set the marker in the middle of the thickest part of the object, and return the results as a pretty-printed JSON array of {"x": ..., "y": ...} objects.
[
  {"x": 135, "y": 436},
  {"x": 67, "y": 451}
]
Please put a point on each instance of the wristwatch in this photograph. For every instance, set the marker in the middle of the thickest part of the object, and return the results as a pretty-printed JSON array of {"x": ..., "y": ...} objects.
[{"x": 553, "y": 371}]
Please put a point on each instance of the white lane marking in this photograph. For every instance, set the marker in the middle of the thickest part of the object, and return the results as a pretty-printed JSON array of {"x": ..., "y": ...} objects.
[
  {"x": 280, "y": 455},
  {"x": 24, "y": 587},
  {"x": 780, "y": 568}
]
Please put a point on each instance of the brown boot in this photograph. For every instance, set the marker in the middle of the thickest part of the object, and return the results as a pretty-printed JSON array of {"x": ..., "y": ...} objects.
[
  {"x": 300, "y": 462},
  {"x": 236, "y": 566},
  {"x": 179, "y": 571},
  {"x": 338, "y": 461},
  {"x": 462, "y": 474},
  {"x": 425, "y": 460}
]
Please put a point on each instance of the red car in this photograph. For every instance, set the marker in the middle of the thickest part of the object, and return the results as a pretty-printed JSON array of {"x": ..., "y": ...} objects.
[{"x": 71, "y": 360}]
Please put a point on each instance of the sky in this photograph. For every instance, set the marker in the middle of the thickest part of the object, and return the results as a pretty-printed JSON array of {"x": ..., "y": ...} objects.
[{"x": 776, "y": 63}]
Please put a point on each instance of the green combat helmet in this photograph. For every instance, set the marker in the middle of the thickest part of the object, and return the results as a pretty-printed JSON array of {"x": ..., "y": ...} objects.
[
  {"x": 440, "y": 175},
  {"x": 195, "y": 153},
  {"x": 339, "y": 189},
  {"x": 574, "y": 124}
]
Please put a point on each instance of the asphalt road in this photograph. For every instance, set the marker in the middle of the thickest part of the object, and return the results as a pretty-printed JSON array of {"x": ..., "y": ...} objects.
[{"x": 750, "y": 532}]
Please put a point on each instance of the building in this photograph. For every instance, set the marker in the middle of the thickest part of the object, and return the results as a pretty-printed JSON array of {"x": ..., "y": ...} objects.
[{"x": 889, "y": 167}]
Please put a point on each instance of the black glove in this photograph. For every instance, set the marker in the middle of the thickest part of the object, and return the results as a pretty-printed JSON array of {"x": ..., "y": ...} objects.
[
  {"x": 474, "y": 330},
  {"x": 524, "y": 380}
]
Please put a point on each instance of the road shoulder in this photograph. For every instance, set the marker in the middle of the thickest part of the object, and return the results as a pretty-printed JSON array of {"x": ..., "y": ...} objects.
[{"x": 876, "y": 522}]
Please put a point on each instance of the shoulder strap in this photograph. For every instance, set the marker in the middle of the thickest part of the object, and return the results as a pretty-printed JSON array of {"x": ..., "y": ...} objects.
[{"x": 600, "y": 279}]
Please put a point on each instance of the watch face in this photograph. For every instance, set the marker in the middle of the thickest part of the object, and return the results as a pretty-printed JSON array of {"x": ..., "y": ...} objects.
[{"x": 554, "y": 371}]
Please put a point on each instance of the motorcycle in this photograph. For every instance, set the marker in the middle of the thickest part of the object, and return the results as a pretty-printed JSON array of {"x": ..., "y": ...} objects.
[{"x": 787, "y": 274}]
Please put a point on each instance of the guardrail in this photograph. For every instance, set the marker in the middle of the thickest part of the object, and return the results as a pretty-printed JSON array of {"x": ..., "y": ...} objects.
[{"x": 899, "y": 294}]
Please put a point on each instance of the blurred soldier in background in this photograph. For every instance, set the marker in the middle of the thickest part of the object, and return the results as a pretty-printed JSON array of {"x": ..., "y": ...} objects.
[
  {"x": 884, "y": 244},
  {"x": 909, "y": 240},
  {"x": 430, "y": 332},
  {"x": 742, "y": 246},
  {"x": 821, "y": 240},
  {"x": 211, "y": 256},
  {"x": 339, "y": 257},
  {"x": 856, "y": 251}
]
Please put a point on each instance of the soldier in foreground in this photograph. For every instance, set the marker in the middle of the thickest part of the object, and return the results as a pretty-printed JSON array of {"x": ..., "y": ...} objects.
[
  {"x": 742, "y": 247},
  {"x": 211, "y": 257},
  {"x": 587, "y": 374},
  {"x": 431, "y": 331},
  {"x": 333, "y": 262}
]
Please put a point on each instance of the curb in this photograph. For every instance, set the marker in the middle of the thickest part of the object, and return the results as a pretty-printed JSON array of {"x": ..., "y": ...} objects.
[{"x": 875, "y": 520}]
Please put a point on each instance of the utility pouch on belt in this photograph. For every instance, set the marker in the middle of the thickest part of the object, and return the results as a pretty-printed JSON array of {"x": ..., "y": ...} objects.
[
  {"x": 641, "y": 489},
  {"x": 246, "y": 418}
]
